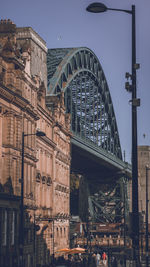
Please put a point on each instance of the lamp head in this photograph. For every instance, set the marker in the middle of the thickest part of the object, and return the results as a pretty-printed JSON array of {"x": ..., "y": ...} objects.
[
  {"x": 40, "y": 133},
  {"x": 96, "y": 8}
]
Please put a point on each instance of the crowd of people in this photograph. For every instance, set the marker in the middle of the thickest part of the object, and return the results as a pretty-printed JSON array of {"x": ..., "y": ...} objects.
[{"x": 81, "y": 260}]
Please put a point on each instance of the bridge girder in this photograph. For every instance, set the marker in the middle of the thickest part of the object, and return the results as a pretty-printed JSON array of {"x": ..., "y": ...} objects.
[{"x": 96, "y": 150}]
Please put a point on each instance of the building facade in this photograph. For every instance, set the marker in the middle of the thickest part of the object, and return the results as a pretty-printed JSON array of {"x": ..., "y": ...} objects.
[
  {"x": 24, "y": 107},
  {"x": 143, "y": 161}
]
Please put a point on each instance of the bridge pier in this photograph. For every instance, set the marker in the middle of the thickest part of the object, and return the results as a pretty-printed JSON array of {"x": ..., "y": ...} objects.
[{"x": 103, "y": 201}]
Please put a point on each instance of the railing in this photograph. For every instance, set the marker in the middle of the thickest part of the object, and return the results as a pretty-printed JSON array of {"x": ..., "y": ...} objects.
[{"x": 110, "y": 242}]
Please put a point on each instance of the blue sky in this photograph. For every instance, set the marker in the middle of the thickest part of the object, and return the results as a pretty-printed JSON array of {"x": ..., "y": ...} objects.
[{"x": 66, "y": 23}]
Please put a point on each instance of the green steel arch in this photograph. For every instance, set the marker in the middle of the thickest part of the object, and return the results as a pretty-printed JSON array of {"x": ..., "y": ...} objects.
[
  {"x": 78, "y": 72},
  {"x": 96, "y": 150}
]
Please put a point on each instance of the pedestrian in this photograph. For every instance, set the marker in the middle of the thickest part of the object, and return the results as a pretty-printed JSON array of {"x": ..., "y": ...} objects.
[
  {"x": 114, "y": 262},
  {"x": 121, "y": 263},
  {"x": 93, "y": 260},
  {"x": 104, "y": 258},
  {"x": 98, "y": 257}
]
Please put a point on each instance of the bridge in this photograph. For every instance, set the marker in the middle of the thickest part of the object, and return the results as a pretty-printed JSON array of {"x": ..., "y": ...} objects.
[{"x": 95, "y": 144}]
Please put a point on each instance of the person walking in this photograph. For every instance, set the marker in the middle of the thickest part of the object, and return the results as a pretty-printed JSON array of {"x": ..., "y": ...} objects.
[
  {"x": 104, "y": 258},
  {"x": 98, "y": 257},
  {"x": 114, "y": 262}
]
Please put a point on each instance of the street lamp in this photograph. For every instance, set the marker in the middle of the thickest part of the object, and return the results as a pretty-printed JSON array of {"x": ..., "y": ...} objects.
[
  {"x": 98, "y": 8},
  {"x": 52, "y": 235},
  {"x": 147, "y": 169},
  {"x": 38, "y": 133}
]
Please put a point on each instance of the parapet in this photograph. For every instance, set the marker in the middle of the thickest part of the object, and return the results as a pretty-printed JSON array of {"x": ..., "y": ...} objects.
[{"x": 7, "y": 27}]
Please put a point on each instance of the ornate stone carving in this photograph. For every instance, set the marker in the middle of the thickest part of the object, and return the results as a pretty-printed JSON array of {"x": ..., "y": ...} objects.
[
  {"x": 49, "y": 180},
  {"x": 38, "y": 177},
  {"x": 41, "y": 91},
  {"x": 43, "y": 179},
  {"x": 2, "y": 75},
  {"x": 8, "y": 188},
  {"x": 62, "y": 157},
  {"x": 30, "y": 195},
  {"x": 62, "y": 188},
  {"x": 67, "y": 120},
  {"x": 10, "y": 53}
]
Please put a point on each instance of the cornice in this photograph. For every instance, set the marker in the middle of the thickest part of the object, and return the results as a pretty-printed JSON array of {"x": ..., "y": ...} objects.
[
  {"x": 29, "y": 33},
  {"x": 62, "y": 157},
  {"x": 45, "y": 112},
  {"x": 16, "y": 99},
  {"x": 61, "y": 127},
  {"x": 47, "y": 141}
]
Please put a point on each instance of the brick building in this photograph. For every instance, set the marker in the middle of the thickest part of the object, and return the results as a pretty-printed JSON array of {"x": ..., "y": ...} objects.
[
  {"x": 24, "y": 107},
  {"x": 143, "y": 161}
]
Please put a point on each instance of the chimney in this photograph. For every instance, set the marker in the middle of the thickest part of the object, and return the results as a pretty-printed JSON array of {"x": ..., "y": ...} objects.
[{"x": 7, "y": 27}]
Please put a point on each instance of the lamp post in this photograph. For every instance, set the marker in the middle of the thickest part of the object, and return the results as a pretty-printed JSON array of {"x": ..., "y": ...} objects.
[
  {"x": 147, "y": 200},
  {"x": 53, "y": 256},
  {"x": 98, "y": 8},
  {"x": 124, "y": 231},
  {"x": 38, "y": 133}
]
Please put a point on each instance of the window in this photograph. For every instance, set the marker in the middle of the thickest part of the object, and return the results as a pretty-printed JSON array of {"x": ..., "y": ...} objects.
[
  {"x": 4, "y": 228},
  {"x": 12, "y": 228},
  {"x": 57, "y": 232}
]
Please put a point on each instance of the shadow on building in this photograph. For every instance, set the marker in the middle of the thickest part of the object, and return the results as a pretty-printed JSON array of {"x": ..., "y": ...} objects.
[{"x": 36, "y": 252}]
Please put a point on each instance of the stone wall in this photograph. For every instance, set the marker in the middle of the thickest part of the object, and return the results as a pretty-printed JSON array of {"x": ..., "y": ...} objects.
[
  {"x": 28, "y": 38},
  {"x": 143, "y": 161},
  {"x": 24, "y": 107}
]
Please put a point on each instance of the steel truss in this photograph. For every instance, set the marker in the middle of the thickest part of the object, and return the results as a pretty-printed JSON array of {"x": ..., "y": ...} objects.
[
  {"x": 87, "y": 97},
  {"x": 103, "y": 202},
  {"x": 77, "y": 72}
]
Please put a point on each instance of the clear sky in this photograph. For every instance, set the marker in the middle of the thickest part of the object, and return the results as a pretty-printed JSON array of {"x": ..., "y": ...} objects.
[{"x": 66, "y": 23}]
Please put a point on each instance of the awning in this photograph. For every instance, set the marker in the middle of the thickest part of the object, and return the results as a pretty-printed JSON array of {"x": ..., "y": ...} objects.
[{"x": 71, "y": 251}]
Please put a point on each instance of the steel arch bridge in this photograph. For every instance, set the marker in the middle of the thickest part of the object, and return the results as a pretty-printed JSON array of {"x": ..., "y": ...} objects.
[{"x": 96, "y": 150}]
